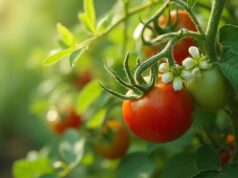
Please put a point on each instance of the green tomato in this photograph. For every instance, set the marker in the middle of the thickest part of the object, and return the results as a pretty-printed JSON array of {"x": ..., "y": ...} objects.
[{"x": 209, "y": 91}]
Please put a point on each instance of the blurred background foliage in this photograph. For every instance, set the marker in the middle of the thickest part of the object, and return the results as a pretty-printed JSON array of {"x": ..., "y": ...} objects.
[{"x": 27, "y": 33}]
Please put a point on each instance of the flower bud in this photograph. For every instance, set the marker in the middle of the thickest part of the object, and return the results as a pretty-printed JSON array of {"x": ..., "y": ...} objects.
[
  {"x": 205, "y": 65},
  {"x": 194, "y": 52},
  {"x": 167, "y": 77},
  {"x": 188, "y": 63},
  {"x": 164, "y": 67},
  {"x": 187, "y": 75},
  {"x": 177, "y": 83}
]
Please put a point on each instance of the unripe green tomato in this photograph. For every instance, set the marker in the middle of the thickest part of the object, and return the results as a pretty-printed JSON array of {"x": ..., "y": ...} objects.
[{"x": 210, "y": 90}]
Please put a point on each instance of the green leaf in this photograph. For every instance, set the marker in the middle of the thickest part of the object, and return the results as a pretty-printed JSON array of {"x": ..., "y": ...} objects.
[
  {"x": 135, "y": 165},
  {"x": 230, "y": 171},
  {"x": 104, "y": 22},
  {"x": 88, "y": 95},
  {"x": 207, "y": 174},
  {"x": 191, "y": 3},
  {"x": 88, "y": 18},
  {"x": 49, "y": 176},
  {"x": 96, "y": 121},
  {"x": 58, "y": 55},
  {"x": 229, "y": 37},
  {"x": 181, "y": 166},
  {"x": 207, "y": 159},
  {"x": 74, "y": 57},
  {"x": 65, "y": 35},
  {"x": 229, "y": 66},
  {"x": 72, "y": 147},
  {"x": 32, "y": 168}
]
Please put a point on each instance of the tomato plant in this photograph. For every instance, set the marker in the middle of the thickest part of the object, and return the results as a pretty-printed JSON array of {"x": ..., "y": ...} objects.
[
  {"x": 209, "y": 91},
  {"x": 113, "y": 140},
  {"x": 161, "y": 115},
  {"x": 180, "y": 49}
]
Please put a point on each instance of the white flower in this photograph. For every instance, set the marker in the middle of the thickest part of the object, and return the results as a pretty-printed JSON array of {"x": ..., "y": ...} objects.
[
  {"x": 188, "y": 63},
  {"x": 164, "y": 67},
  {"x": 177, "y": 83},
  {"x": 138, "y": 31},
  {"x": 167, "y": 77},
  {"x": 187, "y": 75},
  {"x": 205, "y": 64},
  {"x": 194, "y": 52},
  {"x": 196, "y": 72}
]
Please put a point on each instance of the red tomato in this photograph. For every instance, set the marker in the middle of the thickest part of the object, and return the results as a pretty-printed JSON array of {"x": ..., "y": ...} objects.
[
  {"x": 161, "y": 115},
  {"x": 82, "y": 79},
  {"x": 180, "y": 50},
  {"x": 114, "y": 140},
  {"x": 225, "y": 156},
  {"x": 69, "y": 120}
]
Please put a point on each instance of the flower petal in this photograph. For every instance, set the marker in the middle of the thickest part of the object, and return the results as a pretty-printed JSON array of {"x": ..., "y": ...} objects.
[
  {"x": 177, "y": 83},
  {"x": 193, "y": 50}
]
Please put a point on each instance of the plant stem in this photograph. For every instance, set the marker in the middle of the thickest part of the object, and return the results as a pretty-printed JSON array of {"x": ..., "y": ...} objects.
[
  {"x": 211, "y": 32},
  {"x": 124, "y": 45}
]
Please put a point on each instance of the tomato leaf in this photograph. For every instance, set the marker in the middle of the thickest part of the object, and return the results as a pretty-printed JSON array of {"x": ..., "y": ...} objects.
[
  {"x": 72, "y": 147},
  {"x": 230, "y": 170},
  {"x": 135, "y": 164},
  {"x": 88, "y": 18},
  {"x": 65, "y": 35},
  {"x": 229, "y": 37},
  {"x": 87, "y": 96},
  {"x": 229, "y": 66},
  {"x": 32, "y": 168},
  {"x": 207, "y": 174},
  {"x": 57, "y": 55},
  {"x": 49, "y": 176},
  {"x": 97, "y": 119},
  {"x": 207, "y": 159},
  {"x": 74, "y": 57},
  {"x": 191, "y": 3},
  {"x": 179, "y": 163}
]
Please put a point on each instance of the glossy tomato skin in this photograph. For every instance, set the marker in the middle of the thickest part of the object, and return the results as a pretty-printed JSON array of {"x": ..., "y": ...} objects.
[
  {"x": 209, "y": 91},
  {"x": 180, "y": 50},
  {"x": 71, "y": 120},
  {"x": 161, "y": 115},
  {"x": 117, "y": 143}
]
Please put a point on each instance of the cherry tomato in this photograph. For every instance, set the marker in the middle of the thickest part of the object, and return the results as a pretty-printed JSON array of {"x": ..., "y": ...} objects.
[
  {"x": 210, "y": 90},
  {"x": 225, "y": 156},
  {"x": 66, "y": 120},
  {"x": 113, "y": 141},
  {"x": 161, "y": 115},
  {"x": 180, "y": 51},
  {"x": 82, "y": 79}
]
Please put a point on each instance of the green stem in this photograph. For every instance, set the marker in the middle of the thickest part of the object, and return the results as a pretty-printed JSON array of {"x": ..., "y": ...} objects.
[
  {"x": 130, "y": 13},
  {"x": 211, "y": 32},
  {"x": 124, "y": 45}
]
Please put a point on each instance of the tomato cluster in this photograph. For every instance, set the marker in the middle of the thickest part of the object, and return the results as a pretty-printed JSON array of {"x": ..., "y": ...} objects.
[{"x": 180, "y": 50}]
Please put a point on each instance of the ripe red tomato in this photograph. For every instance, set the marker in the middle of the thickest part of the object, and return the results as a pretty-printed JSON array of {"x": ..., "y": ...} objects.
[
  {"x": 225, "y": 156},
  {"x": 66, "y": 121},
  {"x": 82, "y": 79},
  {"x": 113, "y": 141},
  {"x": 161, "y": 115},
  {"x": 210, "y": 90},
  {"x": 180, "y": 50}
]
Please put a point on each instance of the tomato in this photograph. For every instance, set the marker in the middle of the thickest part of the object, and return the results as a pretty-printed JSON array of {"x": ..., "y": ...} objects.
[
  {"x": 224, "y": 156},
  {"x": 82, "y": 79},
  {"x": 113, "y": 141},
  {"x": 210, "y": 90},
  {"x": 161, "y": 115},
  {"x": 65, "y": 121},
  {"x": 180, "y": 50}
]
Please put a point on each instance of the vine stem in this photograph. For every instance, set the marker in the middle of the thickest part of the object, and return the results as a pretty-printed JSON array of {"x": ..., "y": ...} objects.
[
  {"x": 211, "y": 32},
  {"x": 130, "y": 13}
]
